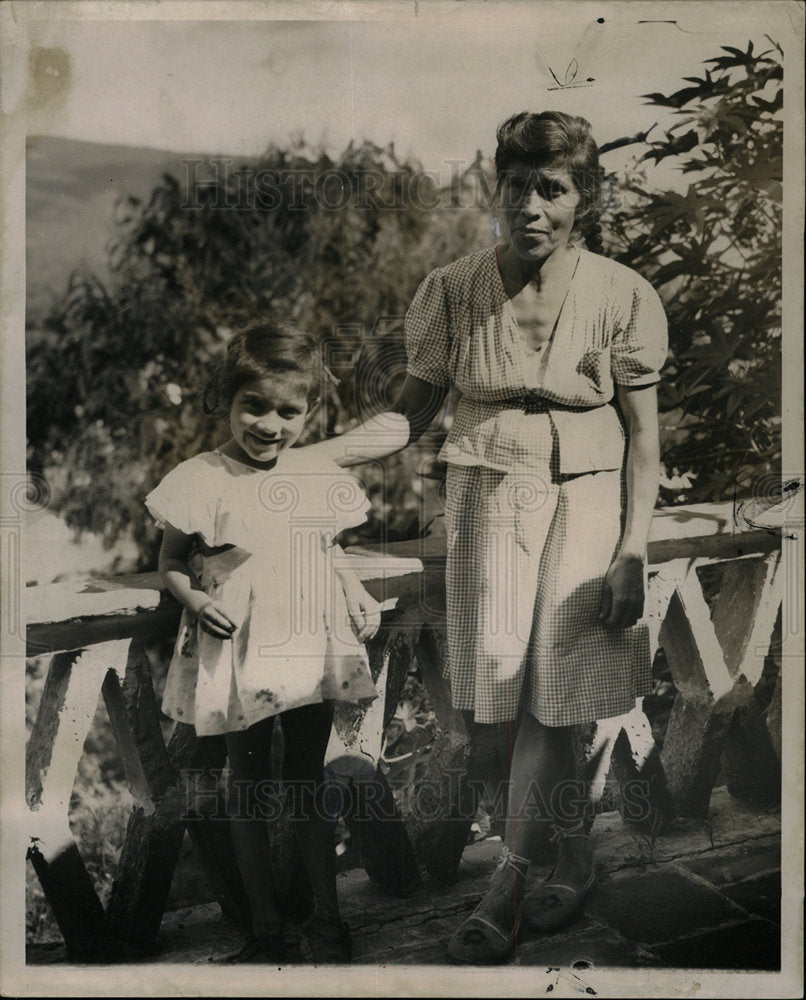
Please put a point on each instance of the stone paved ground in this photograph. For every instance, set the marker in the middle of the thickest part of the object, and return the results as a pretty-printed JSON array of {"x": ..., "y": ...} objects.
[{"x": 700, "y": 897}]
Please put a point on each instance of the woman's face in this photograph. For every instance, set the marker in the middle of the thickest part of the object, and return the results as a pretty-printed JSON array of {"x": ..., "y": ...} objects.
[
  {"x": 266, "y": 416},
  {"x": 538, "y": 206}
]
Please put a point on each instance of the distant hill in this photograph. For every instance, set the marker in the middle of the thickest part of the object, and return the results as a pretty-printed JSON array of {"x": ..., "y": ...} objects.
[{"x": 71, "y": 191}]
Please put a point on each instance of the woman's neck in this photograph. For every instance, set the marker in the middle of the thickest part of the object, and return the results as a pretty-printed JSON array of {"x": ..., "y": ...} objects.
[{"x": 517, "y": 272}]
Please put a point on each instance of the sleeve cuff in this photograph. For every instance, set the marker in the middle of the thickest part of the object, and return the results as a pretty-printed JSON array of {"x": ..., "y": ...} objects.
[
  {"x": 637, "y": 381},
  {"x": 428, "y": 375}
]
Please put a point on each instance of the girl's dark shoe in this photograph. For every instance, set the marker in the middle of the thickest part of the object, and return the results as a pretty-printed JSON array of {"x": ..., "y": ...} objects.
[
  {"x": 260, "y": 951},
  {"x": 330, "y": 941}
]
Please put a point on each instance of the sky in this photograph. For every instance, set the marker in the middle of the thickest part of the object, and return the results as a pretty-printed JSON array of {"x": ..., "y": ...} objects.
[{"x": 433, "y": 77}]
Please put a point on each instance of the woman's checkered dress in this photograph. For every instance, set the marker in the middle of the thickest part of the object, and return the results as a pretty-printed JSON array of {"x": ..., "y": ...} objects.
[{"x": 534, "y": 498}]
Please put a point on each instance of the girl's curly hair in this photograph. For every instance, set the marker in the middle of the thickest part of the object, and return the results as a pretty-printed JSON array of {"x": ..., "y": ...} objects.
[{"x": 265, "y": 348}]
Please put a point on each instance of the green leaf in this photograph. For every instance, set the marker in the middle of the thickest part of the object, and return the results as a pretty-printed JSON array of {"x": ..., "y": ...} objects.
[
  {"x": 676, "y": 268},
  {"x": 672, "y": 206},
  {"x": 662, "y": 101},
  {"x": 772, "y": 106},
  {"x": 673, "y": 146},
  {"x": 739, "y": 58}
]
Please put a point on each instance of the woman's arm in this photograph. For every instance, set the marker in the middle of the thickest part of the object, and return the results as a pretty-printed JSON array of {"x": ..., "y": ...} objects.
[
  {"x": 391, "y": 431},
  {"x": 623, "y": 593},
  {"x": 174, "y": 569}
]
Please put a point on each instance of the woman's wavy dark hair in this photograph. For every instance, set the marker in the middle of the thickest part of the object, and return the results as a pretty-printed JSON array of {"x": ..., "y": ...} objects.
[
  {"x": 554, "y": 139},
  {"x": 265, "y": 348}
]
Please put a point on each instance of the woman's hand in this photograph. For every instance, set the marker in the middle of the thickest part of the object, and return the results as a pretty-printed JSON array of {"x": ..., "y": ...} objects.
[
  {"x": 365, "y": 611},
  {"x": 386, "y": 433},
  {"x": 215, "y": 620},
  {"x": 622, "y": 601}
]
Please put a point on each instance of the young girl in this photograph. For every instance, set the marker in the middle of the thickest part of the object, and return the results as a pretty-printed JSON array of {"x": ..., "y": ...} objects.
[{"x": 247, "y": 549}]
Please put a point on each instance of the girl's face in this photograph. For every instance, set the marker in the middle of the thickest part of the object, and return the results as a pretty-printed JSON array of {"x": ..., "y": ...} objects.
[
  {"x": 539, "y": 208},
  {"x": 266, "y": 416}
]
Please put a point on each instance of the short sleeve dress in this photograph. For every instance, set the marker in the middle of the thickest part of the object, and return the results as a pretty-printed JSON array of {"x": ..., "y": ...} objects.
[
  {"x": 533, "y": 494},
  {"x": 262, "y": 546}
]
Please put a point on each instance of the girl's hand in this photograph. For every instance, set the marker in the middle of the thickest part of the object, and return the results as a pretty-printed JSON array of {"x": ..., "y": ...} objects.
[
  {"x": 365, "y": 611},
  {"x": 215, "y": 620},
  {"x": 622, "y": 601}
]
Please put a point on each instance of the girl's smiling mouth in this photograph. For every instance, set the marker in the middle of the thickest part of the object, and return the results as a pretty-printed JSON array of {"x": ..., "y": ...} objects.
[{"x": 266, "y": 416}]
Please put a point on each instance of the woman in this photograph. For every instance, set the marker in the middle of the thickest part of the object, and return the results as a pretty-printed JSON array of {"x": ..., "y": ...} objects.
[{"x": 552, "y": 348}]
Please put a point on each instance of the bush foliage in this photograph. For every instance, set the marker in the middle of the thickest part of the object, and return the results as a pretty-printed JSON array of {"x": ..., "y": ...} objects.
[
  {"x": 341, "y": 245},
  {"x": 190, "y": 266},
  {"x": 714, "y": 254}
]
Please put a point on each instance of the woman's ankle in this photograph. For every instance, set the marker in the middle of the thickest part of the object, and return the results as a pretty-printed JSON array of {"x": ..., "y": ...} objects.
[
  {"x": 575, "y": 857},
  {"x": 506, "y": 886}
]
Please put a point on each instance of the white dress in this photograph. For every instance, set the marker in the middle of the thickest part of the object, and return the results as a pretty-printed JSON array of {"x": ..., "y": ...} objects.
[{"x": 263, "y": 548}]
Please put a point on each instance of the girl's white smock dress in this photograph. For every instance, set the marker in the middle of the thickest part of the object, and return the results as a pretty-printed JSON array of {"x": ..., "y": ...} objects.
[
  {"x": 534, "y": 494},
  {"x": 263, "y": 548}
]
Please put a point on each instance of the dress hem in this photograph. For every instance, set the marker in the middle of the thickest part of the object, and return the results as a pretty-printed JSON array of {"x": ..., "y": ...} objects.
[{"x": 251, "y": 719}]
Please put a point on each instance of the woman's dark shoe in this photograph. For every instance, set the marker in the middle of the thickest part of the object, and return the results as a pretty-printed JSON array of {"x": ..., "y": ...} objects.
[
  {"x": 481, "y": 939},
  {"x": 554, "y": 903},
  {"x": 269, "y": 950},
  {"x": 330, "y": 941}
]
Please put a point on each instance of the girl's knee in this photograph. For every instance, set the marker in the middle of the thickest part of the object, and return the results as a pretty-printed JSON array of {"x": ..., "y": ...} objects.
[
  {"x": 308, "y": 722},
  {"x": 249, "y": 755},
  {"x": 306, "y": 734},
  {"x": 249, "y": 799}
]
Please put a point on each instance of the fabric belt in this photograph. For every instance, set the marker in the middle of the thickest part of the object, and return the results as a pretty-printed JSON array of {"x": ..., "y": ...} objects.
[{"x": 534, "y": 402}]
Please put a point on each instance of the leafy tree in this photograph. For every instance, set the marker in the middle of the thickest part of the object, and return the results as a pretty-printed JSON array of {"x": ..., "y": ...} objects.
[
  {"x": 714, "y": 254},
  {"x": 338, "y": 246}
]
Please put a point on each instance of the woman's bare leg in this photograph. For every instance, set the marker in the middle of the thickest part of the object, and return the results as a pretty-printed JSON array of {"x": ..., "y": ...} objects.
[
  {"x": 547, "y": 798},
  {"x": 544, "y": 798}
]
